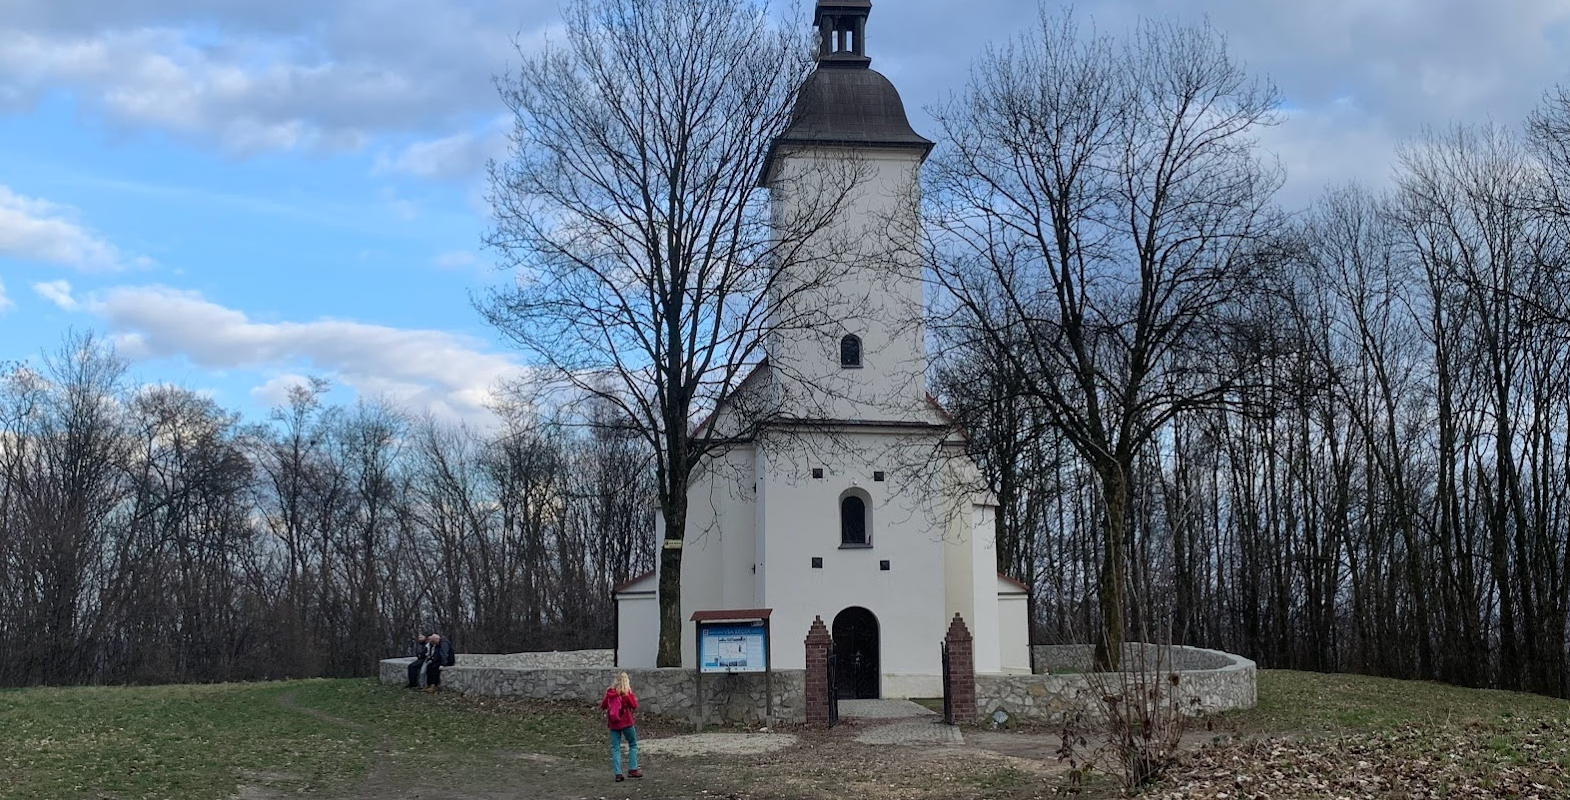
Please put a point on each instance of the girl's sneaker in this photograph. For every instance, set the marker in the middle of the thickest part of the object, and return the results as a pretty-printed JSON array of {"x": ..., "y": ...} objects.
[{"x": 637, "y": 773}]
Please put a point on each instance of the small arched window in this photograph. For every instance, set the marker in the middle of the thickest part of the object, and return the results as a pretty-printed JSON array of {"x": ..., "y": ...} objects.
[
  {"x": 850, "y": 351},
  {"x": 853, "y": 522}
]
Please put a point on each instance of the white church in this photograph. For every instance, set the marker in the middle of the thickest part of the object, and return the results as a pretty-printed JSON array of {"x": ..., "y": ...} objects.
[{"x": 851, "y": 499}]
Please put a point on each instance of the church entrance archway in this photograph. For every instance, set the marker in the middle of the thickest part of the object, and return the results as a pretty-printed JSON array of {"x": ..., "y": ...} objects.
[{"x": 856, "y": 653}]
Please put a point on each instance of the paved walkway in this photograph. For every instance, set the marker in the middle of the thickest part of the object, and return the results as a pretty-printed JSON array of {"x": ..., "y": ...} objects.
[
  {"x": 696, "y": 744},
  {"x": 883, "y": 709},
  {"x": 899, "y": 722}
]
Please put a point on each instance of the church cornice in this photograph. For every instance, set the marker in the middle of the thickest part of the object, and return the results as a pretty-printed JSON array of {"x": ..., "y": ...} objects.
[
  {"x": 839, "y": 424},
  {"x": 834, "y": 425}
]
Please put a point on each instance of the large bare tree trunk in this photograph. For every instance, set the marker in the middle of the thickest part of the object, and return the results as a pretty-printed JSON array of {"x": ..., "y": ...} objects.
[{"x": 1111, "y": 584}]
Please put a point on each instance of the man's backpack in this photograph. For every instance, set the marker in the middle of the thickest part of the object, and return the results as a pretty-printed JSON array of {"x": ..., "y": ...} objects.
[{"x": 448, "y": 655}]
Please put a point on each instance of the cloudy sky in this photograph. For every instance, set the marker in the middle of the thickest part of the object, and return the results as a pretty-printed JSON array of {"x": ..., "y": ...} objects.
[{"x": 243, "y": 192}]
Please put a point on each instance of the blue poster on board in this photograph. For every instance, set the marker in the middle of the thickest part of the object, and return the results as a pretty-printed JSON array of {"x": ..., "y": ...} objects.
[{"x": 731, "y": 648}]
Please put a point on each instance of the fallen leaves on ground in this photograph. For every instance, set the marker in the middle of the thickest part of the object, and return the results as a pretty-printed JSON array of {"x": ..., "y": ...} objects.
[{"x": 1529, "y": 760}]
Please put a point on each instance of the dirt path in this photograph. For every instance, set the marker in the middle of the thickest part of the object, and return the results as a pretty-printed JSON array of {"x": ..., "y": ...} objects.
[
  {"x": 815, "y": 765},
  {"x": 378, "y": 782},
  {"x": 289, "y": 701}
]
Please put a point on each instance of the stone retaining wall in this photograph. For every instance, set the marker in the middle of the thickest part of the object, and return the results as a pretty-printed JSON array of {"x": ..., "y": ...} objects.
[
  {"x": 552, "y": 659},
  {"x": 1208, "y": 681},
  {"x": 670, "y": 692},
  {"x": 1078, "y": 657}
]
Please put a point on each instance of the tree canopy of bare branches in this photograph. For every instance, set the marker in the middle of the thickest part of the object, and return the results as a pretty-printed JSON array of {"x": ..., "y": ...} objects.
[
  {"x": 1097, "y": 212},
  {"x": 147, "y": 535},
  {"x": 648, "y": 270}
]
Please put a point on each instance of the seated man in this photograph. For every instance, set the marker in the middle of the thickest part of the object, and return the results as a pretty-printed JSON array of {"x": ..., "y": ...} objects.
[
  {"x": 417, "y": 666},
  {"x": 438, "y": 654}
]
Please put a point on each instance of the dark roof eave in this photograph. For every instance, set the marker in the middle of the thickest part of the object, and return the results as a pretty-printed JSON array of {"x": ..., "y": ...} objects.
[{"x": 731, "y": 615}]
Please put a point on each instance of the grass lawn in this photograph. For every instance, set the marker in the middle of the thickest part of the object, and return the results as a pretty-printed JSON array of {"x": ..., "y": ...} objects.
[
  {"x": 1309, "y": 702},
  {"x": 1311, "y": 736},
  {"x": 315, "y": 738}
]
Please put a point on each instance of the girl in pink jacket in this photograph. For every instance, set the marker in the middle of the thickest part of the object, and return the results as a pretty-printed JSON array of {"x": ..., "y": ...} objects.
[{"x": 619, "y": 703}]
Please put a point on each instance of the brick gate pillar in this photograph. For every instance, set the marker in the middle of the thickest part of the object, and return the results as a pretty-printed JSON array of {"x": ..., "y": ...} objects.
[
  {"x": 962, "y": 671},
  {"x": 818, "y": 644}
]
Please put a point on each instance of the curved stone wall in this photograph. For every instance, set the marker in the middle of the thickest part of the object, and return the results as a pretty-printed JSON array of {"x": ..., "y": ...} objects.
[
  {"x": 1078, "y": 657},
  {"x": 671, "y": 692},
  {"x": 1207, "y": 681},
  {"x": 550, "y": 659}
]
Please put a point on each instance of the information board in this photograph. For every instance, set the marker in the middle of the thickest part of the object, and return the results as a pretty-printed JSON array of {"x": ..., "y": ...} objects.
[{"x": 736, "y": 647}]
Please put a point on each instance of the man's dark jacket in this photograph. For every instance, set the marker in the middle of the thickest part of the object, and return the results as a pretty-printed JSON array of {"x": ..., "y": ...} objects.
[{"x": 443, "y": 655}]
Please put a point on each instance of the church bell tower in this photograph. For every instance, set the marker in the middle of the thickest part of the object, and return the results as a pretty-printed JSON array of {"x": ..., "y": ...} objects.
[{"x": 848, "y": 340}]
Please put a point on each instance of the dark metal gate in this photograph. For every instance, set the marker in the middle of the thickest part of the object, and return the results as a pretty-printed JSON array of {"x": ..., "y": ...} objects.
[
  {"x": 948, "y": 688},
  {"x": 834, "y": 689},
  {"x": 855, "y": 635}
]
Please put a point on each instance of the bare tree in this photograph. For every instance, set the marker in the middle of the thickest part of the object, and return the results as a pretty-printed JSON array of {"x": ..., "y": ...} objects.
[
  {"x": 629, "y": 211},
  {"x": 302, "y": 488},
  {"x": 187, "y": 520},
  {"x": 371, "y": 448},
  {"x": 307, "y": 545},
  {"x": 1466, "y": 211},
  {"x": 65, "y": 454},
  {"x": 1096, "y": 215}
]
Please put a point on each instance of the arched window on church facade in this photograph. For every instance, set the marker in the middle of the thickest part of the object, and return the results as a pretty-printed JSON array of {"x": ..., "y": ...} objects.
[
  {"x": 850, "y": 350},
  {"x": 855, "y": 521}
]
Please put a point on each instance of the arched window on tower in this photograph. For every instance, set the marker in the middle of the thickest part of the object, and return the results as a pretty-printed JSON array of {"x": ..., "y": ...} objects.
[
  {"x": 850, "y": 351},
  {"x": 853, "y": 521}
]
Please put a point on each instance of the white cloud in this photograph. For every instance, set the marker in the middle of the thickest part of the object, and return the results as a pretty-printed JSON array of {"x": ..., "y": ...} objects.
[
  {"x": 402, "y": 209},
  {"x": 422, "y": 369},
  {"x": 291, "y": 74},
  {"x": 275, "y": 392},
  {"x": 38, "y": 230},
  {"x": 456, "y": 260},
  {"x": 152, "y": 78},
  {"x": 461, "y": 155},
  {"x": 5, "y": 302},
  {"x": 1329, "y": 146},
  {"x": 57, "y": 292},
  {"x": 321, "y": 76},
  {"x": 1403, "y": 65}
]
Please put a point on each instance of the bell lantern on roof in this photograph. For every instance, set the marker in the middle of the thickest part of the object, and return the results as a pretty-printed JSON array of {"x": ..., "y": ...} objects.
[{"x": 842, "y": 32}]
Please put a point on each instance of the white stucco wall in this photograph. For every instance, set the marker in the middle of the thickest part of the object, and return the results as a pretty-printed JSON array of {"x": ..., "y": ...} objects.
[
  {"x": 1013, "y": 626},
  {"x": 959, "y": 580},
  {"x": 908, "y": 526},
  {"x": 637, "y": 624},
  {"x": 984, "y": 571},
  {"x": 720, "y": 537},
  {"x": 758, "y": 518},
  {"x": 862, "y": 274},
  {"x": 863, "y": 278},
  {"x": 719, "y": 546}
]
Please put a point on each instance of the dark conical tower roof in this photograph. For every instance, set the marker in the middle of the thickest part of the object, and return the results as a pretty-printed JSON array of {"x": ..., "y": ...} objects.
[{"x": 845, "y": 102}]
